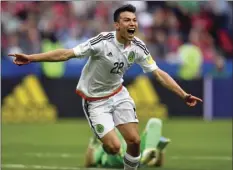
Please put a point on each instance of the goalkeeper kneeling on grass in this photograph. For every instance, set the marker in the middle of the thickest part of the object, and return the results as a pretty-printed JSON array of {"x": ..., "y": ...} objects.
[{"x": 152, "y": 149}]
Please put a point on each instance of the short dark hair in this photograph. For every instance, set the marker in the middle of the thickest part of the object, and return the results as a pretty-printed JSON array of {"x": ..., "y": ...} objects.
[{"x": 124, "y": 8}]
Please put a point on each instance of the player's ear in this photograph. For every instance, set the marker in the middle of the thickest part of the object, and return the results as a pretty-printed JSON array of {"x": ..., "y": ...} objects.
[{"x": 117, "y": 26}]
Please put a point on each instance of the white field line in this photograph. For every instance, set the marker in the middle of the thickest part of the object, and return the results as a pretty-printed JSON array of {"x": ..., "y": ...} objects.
[
  {"x": 43, "y": 155},
  {"x": 21, "y": 166},
  {"x": 68, "y": 155},
  {"x": 45, "y": 167},
  {"x": 204, "y": 158}
]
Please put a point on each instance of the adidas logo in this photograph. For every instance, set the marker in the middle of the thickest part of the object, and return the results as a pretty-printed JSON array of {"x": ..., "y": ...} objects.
[
  {"x": 28, "y": 103},
  {"x": 147, "y": 100},
  {"x": 109, "y": 54}
]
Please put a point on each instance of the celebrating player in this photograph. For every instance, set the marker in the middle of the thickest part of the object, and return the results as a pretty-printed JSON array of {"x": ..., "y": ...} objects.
[
  {"x": 152, "y": 148},
  {"x": 106, "y": 102}
]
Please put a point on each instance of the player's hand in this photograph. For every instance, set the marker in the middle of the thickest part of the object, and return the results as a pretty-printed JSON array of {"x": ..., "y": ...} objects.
[
  {"x": 20, "y": 59},
  {"x": 191, "y": 100}
]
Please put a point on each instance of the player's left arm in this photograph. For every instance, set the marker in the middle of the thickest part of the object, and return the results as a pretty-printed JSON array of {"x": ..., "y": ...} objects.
[
  {"x": 148, "y": 64},
  {"x": 167, "y": 81}
]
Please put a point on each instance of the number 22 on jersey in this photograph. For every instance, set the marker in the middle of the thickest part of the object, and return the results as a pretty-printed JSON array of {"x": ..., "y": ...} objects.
[{"x": 117, "y": 68}]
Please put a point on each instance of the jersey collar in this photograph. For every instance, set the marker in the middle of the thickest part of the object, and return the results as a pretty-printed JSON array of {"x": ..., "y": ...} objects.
[{"x": 120, "y": 45}]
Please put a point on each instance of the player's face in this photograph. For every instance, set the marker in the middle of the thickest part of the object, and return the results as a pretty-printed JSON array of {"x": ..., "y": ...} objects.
[{"x": 127, "y": 25}]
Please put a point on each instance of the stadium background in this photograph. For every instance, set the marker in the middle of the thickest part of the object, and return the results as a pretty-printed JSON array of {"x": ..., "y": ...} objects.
[{"x": 43, "y": 125}]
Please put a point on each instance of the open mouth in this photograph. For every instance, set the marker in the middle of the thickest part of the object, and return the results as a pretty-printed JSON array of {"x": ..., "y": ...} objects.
[{"x": 131, "y": 31}]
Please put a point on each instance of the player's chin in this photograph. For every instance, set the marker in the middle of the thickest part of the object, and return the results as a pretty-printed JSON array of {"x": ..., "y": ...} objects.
[{"x": 130, "y": 37}]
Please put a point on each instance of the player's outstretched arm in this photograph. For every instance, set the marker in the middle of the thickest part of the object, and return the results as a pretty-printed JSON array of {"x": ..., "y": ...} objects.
[
  {"x": 51, "y": 56},
  {"x": 168, "y": 82}
]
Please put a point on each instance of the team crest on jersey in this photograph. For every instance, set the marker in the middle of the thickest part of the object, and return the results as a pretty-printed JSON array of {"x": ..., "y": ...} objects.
[
  {"x": 131, "y": 57},
  {"x": 99, "y": 128}
]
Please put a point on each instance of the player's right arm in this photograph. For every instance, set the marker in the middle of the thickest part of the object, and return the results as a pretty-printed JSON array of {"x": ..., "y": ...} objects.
[
  {"x": 51, "y": 56},
  {"x": 88, "y": 48}
]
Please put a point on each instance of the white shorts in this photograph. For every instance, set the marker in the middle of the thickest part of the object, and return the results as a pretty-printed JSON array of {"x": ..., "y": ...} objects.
[{"x": 103, "y": 115}]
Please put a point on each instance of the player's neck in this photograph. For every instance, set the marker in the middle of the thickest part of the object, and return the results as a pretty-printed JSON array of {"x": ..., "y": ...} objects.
[{"x": 123, "y": 41}]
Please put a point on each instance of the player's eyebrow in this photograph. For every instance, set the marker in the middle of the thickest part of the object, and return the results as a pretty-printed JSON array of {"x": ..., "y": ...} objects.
[{"x": 129, "y": 18}]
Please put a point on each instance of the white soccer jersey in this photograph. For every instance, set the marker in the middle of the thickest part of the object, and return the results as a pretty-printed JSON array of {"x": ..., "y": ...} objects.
[{"x": 107, "y": 63}]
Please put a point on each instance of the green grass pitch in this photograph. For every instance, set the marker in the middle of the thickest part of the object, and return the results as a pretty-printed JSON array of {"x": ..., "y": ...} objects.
[{"x": 196, "y": 145}]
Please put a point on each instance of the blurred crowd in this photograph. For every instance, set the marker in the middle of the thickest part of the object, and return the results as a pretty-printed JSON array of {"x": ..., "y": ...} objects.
[{"x": 168, "y": 28}]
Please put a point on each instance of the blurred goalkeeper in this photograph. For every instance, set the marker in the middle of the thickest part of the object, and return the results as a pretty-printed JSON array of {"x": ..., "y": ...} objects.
[{"x": 152, "y": 149}]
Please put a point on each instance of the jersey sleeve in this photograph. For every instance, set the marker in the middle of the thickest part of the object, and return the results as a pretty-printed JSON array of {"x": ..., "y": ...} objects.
[
  {"x": 90, "y": 47},
  {"x": 145, "y": 59}
]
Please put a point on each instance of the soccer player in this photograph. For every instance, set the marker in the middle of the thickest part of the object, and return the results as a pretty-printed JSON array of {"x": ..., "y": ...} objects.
[
  {"x": 152, "y": 149},
  {"x": 106, "y": 102}
]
